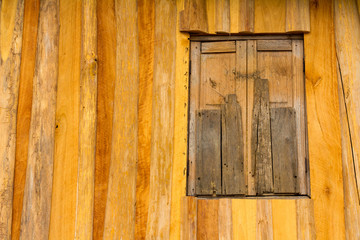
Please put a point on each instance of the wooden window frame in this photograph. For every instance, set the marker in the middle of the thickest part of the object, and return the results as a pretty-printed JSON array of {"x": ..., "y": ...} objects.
[{"x": 199, "y": 41}]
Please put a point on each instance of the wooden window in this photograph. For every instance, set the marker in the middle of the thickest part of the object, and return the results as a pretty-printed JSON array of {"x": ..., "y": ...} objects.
[{"x": 247, "y": 131}]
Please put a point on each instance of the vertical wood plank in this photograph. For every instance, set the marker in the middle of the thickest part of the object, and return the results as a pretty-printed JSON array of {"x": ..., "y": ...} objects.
[
  {"x": 222, "y": 17},
  {"x": 193, "y": 106},
  {"x": 106, "y": 42},
  {"x": 162, "y": 136},
  {"x": 188, "y": 218},
  {"x": 252, "y": 74},
  {"x": 87, "y": 123},
  {"x": 261, "y": 138},
  {"x": 208, "y": 155},
  {"x": 264, "y": 219},
  {"x": 211, "y": 16},
  {"x": 270, "y": 16},
  {"x": 11, "y": 32},
  {"x": 225, "y": 219},
  {"x": 297, "y": 16},
  {"x": 232, "y": 155},
  {"x": 324, "y": 123},
  {"x": 146, "y": 22},
  {"x": 284, "y": 219},
  {"x": 179, "y": 171},
  {"x": 208, "y": 219},
  {"x": 194, "y": 18},
  {"x": 246, "y": 16},
  {"x": 120, "y": 206},
  {"x": 244, "y": 218},
  {"x": 63, "y": 201},
  {"x": 28, "y": 53},
  {"x": 305, "y": 219},
  {"x": 35, "y": 217},
  {"x": 284, "y": 150}
]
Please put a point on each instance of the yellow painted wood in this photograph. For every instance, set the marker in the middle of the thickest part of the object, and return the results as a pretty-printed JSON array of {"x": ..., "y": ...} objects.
[
  {"x": 87, "y": 123},
  {"x": 270, "y": 16},
  {"x": 28, "y": 52},
  {"x": 297, "y": 16},
  {"x": 305, "y": 219},
  {"x": 120, "y": 206},
  {"x": 284, "y": 219},
  {"x": 193, "y": 17},
  {"x": 222, "y": 13},
  {"x": 264, "y": 220},
  {"x": 63, "y": 202},
  {"x": 244, "y": 219},
  {"x": 188, "y": 219},
  {"x": 35, "y": 217},
  {"x": 225, "y": 219},
  {"x": 106, "y": 43},
  {"x": 11, "y": 31},
  {"x": 162, "y": 135},
  {"x": 211, "y": 16},
  {"x": 323, "y": 123},
  {"x": 180, "y": 129}
]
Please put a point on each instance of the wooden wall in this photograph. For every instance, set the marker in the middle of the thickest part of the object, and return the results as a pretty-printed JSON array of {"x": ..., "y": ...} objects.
[{"x": 93, "y": 111}]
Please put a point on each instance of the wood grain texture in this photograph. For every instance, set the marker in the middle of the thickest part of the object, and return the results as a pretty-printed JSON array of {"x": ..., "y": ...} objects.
[
  {"x": 244, "y": 215},
  {"x": 120, "y": 206},
  {"x": 305, "y": 219},
  {"x": 179, "y": 172},
  {"x": 246, "y": 15},
  {"x": 222, "y": 16},
  {"x": 106, "y": 43},
  {"x": 194, "y": 17},
  {"x": 162, "y": 136},
  {"x": 218, "y": 47},
  {"x": 264, "y": 220},
  {"x": 87, "y": 123},
  {"x": 63, "y": 201},
  {"x": 225, "y": 219},
  {"x": 270, "y": 16},
  {"x": 232, "y": 155},
  {"x": 188, "y": 218},
  {"x": 297, "y": 16},
  {"x": 146, "y": 25},
  {"x": 348, "y": 54},
  {"x": 208, "y": 219},
  {"x": 284, "y": 219},
  {"x": 28, "y": 53},
  {"x": 324, "y": 123},
  {"x": 11, "y": 32},
  {"x": 35, "y": 217}
]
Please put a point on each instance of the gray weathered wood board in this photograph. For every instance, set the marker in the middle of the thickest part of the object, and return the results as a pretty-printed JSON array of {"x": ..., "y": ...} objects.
[{"x": 208, "y": 154}]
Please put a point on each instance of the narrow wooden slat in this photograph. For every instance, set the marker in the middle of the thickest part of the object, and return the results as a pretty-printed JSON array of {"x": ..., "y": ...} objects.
[
  {"x": 284, "y": 219},
  {"x": 87, "y": 122},
  {"x": 322, "y": 107},
  {"x": 225, "y": 219},
  {"x": 146, "y": 21},
  {"x": 233, "y": 177},
  {"x": 218, "y": 47},
  {"x": 211, "y": 16},
  {"x": 188, "y": 218},
  {"x": 297, "y": 16},
  {"x": 120, "y": 206},
  {"x": 194, "y": 17},
  {"x": 274, "y": 45},
  {"x": 162, "y": 133},
  {"x": 211, "y": 38},
  {"x": 261, "y": 138},
  {"x": 106, "y": 42},
  {"x": 208, "y": 157},
  {"x": 347, "y": 23},
  {"x": 264, "y": 220},
  {"x": 246, "y": 16},
  {"x": 63, "y": 201},
  {"x": 305, "y": 219},
  {"x": 35, "y": 217},
  {"x": 28, "y": 53},
  {"x": 244, "y": 218},
  {"x": 270, "y": 16},
  {"x": 11, "y": 32},
  {"x": 222, "y": 17},
  {"x": 208, "y": 219},
  {"x": 284, "y": 150},
  {"x": 193, "y": 106}
]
